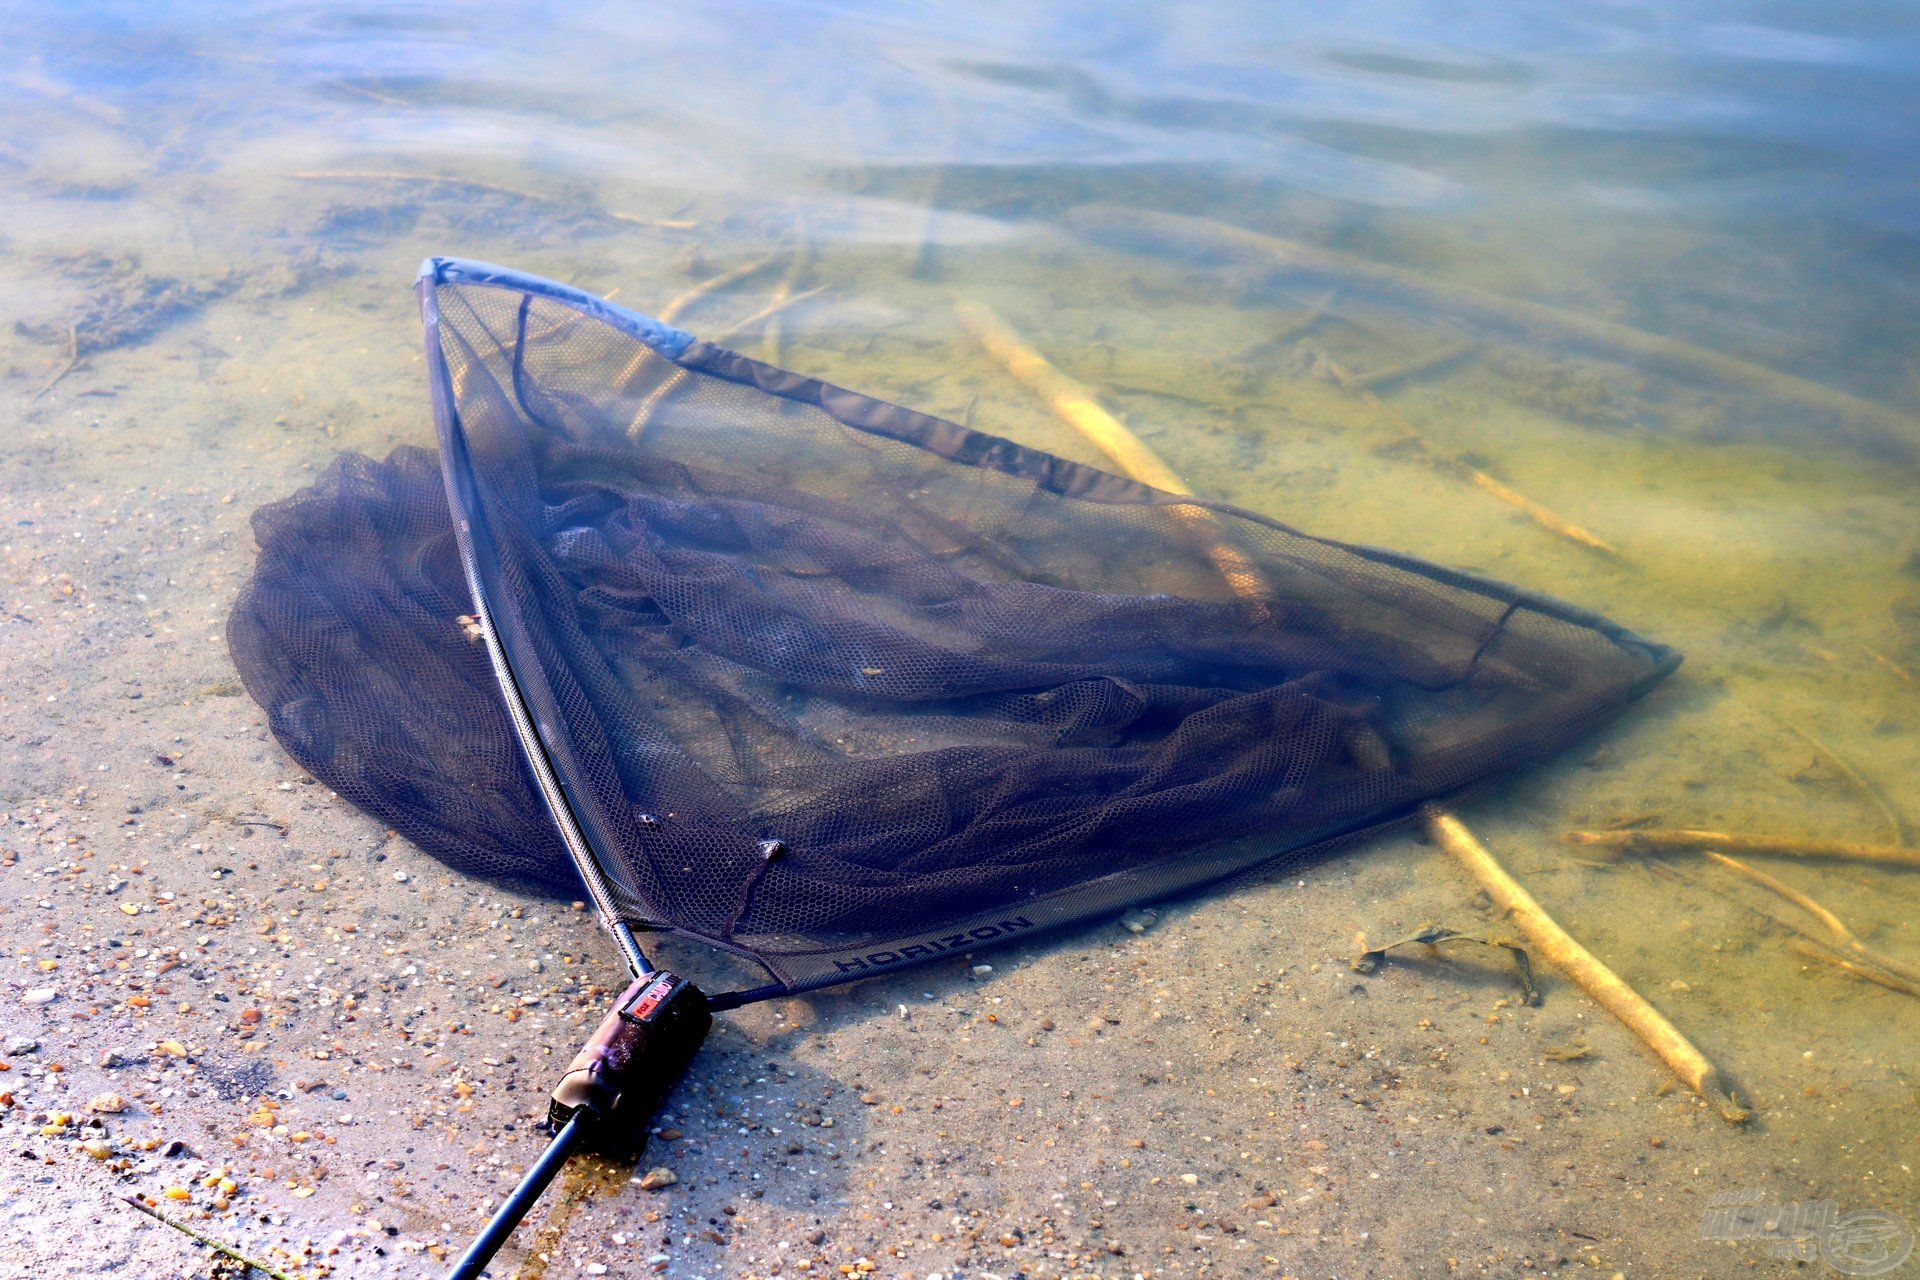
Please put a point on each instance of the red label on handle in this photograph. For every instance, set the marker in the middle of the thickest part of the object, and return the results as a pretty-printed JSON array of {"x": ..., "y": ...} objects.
[{"x": 650, "y": 998}]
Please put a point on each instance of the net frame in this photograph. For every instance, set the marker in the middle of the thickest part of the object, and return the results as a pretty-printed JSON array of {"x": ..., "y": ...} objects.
[{"x": 566, "y": 781}]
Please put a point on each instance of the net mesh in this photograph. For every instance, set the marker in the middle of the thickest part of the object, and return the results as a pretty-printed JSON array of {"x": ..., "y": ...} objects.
[{"x": 842, "y": 686}]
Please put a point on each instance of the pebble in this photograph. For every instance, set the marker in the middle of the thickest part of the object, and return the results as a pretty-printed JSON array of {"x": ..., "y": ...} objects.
[
  {"x": 97, "y": 1148},
  {"x": 108, "y": 1104},
  {"x": 658, "y": 1179},
  {"x": 18, "y": 1045},
  {"x": 40, "y": 995},
  {"x": 982, "y": 970},
  {"x": 399, "y": 877},
  {"x": 596, "y": 1268},
  {"x": 1139, "y": 920},
  {"x": 111, "y": 1058}
]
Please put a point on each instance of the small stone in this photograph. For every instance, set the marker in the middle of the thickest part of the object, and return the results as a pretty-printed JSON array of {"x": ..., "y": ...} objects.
[
  {"x": 1139, "y": 920},
  {"x": 399, "y": 877},
  {"x": 40, "y": 995},
  {"x": 982, "y": 970},
  {"x": 18, "y": 1045},
  {"x": 596, "y": 1268},
  {"x": 97, "y": 1148},
  {"x": 111, "y": 1058},
  {"x": 817, "y": 1236},
  {"x": 1191, "y": 1179},
  {"x": 108, "y": 1104},
  {"x": 534, "y": 965},
  {"x": 658, "y": 1179}
]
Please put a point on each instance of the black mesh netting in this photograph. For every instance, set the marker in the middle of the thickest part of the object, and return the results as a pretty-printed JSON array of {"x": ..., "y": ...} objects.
[{"x": 970, "y": 688}]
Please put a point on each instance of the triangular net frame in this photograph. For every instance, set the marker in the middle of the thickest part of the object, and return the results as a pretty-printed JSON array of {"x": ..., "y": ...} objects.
[{"x": 839, "y": 686}]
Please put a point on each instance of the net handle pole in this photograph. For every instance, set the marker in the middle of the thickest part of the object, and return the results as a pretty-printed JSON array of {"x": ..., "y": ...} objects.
[
  {"x": 630, "y": 948},
  {"x": 474, "y": 1261}
]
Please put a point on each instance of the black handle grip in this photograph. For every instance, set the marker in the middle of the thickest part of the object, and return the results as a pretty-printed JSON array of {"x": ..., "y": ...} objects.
[{"x": 635, "y": 1057}]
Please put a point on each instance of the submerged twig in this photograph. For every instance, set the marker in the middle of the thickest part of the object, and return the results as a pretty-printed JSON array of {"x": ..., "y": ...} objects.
[
  {"x": 1072, "y": 402},
  {"x": 713, "y": 284},
  {"x": 1411, "y": 435},
  {"x": 780, "y": 303},
  {"x": 1885, "y": 426},
  {"x": 1899, "y": 975},
  {"x": 1895, "y": 825},
  {"x": 476, "y": 184},
  {"x": 1814, "y": 951},
  {"x": 1829, "y": 921},
  {"x": 1135, "y": 459},
  {"x": 783, "y": 294},
  {"x": 1076, "y": 405},
  {"x": 678, "y": 377},
  {"x": 1906, "y": 676},
  {"x": 226, "y": 1250},
  {"x": 1444, "y": 354},
  {"x": 1653, "y": 839},
  {"x": 1293, "y": 328},
  {"x": 1595, "y": 978},
  {"x": 73, "y": 358}
]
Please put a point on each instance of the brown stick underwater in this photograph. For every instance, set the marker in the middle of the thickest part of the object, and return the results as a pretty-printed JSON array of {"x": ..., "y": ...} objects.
[
  {"x": 1546, "y": 519},
  {"x": 1652, "y": 840},
  {"x": 1814, "y": 951},
  {"x": 1559, "y": 947},
  {"x": 713, "y": 284},
  {"x": 1076, "y": 406},
  {"x": 73, "y": 359},
  {"x": 1832, "y": 923}
]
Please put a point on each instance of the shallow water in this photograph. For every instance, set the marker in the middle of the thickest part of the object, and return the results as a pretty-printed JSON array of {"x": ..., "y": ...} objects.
[{"x": 211, "y": 222}]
